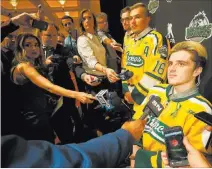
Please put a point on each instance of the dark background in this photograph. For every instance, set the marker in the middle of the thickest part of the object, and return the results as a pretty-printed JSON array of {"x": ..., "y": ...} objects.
[{"x": 178, "y": 12}]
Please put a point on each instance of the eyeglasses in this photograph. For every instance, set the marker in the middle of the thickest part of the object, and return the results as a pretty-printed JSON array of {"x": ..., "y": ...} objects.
[
  {"x": 67, "y": 24},
  {"x": 125, "y": 19},
  {"x": 12, "y": 36}
]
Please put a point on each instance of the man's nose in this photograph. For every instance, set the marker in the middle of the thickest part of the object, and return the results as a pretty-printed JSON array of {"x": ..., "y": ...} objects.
[{"x": 172, "y": 68}]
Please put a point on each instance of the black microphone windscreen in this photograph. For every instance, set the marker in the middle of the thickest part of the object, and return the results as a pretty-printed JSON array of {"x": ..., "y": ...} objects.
[
  {"x": 114, "y": 98},
  {"x": 130, "y": 74}
]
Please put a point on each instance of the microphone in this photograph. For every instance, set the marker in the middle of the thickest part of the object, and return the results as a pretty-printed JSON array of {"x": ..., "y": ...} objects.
[
  {"x": 108, "y": 100},
  {"x": 125, "y": 75},
  {"x": 153, "y": 107}
]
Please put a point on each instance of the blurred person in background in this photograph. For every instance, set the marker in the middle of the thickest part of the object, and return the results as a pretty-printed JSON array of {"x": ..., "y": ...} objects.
[{"x": 60, "y": 38}]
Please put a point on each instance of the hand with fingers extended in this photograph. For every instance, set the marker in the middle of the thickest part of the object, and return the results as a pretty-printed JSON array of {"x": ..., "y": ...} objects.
[
  {"x": 111, "y": 75},
  {"x": 116, "y": 46},
  {"x": 84, "y": 97},
  {"x": 195, "y": 158}
]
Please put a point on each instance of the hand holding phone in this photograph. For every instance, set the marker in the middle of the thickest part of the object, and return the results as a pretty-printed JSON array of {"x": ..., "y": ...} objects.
[
  {"x": 176, "y": 151},
  {"x": 42, "y": 25}
]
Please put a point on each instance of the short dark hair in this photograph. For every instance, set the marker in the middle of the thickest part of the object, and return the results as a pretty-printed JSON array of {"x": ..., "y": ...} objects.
[
  {"x": 54, "y": 25},
  {"x": 81, "y": 20},
  {"x": 67, "y": 17},
  {"x": 126, "y": 9}
]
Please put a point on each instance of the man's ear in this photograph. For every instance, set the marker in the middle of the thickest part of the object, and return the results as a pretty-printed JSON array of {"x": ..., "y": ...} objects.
[
  {"x": 148, "y": 19},
  {"x": 197, "y": 71}
]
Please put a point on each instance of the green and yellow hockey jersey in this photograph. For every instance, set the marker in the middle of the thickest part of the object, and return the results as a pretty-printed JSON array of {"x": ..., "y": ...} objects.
[
  {"x": 176, "y": 112},
  {"x": 146, "y": 56},
  {"x": 127, "y": 38}
]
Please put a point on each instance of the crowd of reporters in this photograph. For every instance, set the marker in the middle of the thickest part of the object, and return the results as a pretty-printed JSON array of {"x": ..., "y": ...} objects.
[{"x": 49, "y": 85}]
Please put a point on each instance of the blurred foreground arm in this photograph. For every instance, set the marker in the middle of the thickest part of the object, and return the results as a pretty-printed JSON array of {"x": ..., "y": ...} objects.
[{"x": 106, "y": 151}]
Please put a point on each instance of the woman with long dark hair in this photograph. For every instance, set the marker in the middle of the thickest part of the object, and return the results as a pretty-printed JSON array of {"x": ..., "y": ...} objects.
[{"x": 29, "y": 73}]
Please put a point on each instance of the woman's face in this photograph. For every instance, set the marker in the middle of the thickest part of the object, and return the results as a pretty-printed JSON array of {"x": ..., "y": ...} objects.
[
  {"x": 32, "y": 48},
  {"x": 88, "y": 21}
]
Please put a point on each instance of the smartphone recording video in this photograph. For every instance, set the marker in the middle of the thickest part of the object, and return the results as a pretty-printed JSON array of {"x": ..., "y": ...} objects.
[
  {"x": 42, "y": 25},
  {"x": 176, "y": 151}
]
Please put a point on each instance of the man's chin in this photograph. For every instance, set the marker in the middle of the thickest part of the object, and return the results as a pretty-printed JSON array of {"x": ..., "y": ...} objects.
[{"x": 173, "y": 83}]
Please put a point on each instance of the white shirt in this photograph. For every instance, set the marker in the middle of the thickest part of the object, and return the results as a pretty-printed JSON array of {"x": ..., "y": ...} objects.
[{"x": 92, "y": 52}]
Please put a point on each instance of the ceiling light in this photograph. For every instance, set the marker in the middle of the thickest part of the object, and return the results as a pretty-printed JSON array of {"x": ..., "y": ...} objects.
[
  {"x": 62, "y": 2},
  {"x": 14, "y": 3},
  {"x": 66, "y": 13}
]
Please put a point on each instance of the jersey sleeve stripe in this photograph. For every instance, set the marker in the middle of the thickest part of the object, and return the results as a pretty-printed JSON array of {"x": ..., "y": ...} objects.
[
  {"x": 155, "y": 42},
  {"x": 137, "y": 96},
  {"x": 203, "y": 103},
  {"x": 154, "y": 76},
  {"x": 148, "y": 81}
]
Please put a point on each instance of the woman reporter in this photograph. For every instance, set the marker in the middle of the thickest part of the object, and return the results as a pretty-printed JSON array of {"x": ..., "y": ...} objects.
[
  {"x": 90, "y": 48},
  {"x": 29, "y": 73}
]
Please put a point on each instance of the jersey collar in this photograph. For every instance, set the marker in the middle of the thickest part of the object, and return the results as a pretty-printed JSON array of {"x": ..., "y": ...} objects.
[
  {"x": 181, "y": 96},
  {"x": 143, "y": 33}
]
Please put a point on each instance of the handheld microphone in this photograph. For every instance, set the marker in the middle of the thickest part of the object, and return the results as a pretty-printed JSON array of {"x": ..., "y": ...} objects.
[
  {"x": 153, "y": 107},
  {"x": 101, "y": 98},
  {"x": 108, "y": 100},
  {"x": 125, "y": 75}
]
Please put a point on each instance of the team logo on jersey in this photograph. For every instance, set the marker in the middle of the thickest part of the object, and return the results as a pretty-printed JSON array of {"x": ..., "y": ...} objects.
[
  {"x": 163, "y": 51},
  {"x": 170, "y": 34},
  {"x": 153, "y": 6},
  {"x": 155, "y": 128},
  {"x": 199, "y": 28},
  {"x": 134, "y": 60},
  {"x": 169, "y": 1}
]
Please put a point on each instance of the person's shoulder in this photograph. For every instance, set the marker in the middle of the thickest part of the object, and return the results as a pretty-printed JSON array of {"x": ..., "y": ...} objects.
[
  {"x": 83, "y": 36},
  {"x": 199, "y": 100},
  {"x": 101, "y": 32},
  {"x": 155, "y": 34},
  {"x": 82, "y": 40}
]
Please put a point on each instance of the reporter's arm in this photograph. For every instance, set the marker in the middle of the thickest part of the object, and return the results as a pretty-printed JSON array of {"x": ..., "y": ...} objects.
[
  {"x": 7, "y": 28},
  {"x": 105, "y": 151},
  {"x": 13, "y": 24},
  {"x": 31, "y": 73}
]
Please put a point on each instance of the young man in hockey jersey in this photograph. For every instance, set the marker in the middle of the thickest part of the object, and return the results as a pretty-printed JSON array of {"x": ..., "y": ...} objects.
[
  {"x": 179, "y": 100},
  {"x": 146, "y": 56}
]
